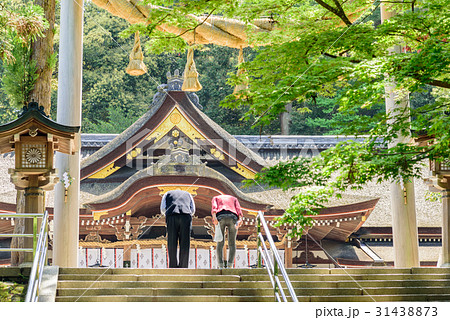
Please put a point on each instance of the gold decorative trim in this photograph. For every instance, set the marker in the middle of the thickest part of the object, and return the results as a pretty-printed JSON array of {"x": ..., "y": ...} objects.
[
  {"x": 191, "y": 190},
  {"x": 216, "y": 154},
  {"x": 176, "y": 118},
  {"x": 98, "y": 214},
  {"x": 103, "y": 173},
  {"x": 243, "y": 171},
  {"x": 134, "y": 153}
]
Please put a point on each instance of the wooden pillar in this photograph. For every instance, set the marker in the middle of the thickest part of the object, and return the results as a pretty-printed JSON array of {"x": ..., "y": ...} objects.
[
  {"x": 445, "y": 257},
  {"x": 66, "y": 216},
  {"x": 288, "y": 253},
  {"x": 34, "y": 203},
  {"x": 404, "y": 224},
  {"x": 127, "y": 256},
  {"x": 285, "y": 119}
]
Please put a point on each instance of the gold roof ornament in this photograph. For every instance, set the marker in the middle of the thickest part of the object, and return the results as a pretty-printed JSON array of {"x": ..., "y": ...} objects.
[
  {"x": 136, "y": 66},
  {"x": 191, "y": 82},
  {"x": 242, "y": 87}
]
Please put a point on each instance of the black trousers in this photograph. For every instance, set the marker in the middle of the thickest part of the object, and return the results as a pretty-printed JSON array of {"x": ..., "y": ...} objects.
[{"x": 178, "y": 231}]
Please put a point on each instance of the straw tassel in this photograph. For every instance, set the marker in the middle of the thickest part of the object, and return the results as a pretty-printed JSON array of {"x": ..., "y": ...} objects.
[
  {"x": 136, "y": 67},
  {"x": 190, "y": 82},
  {"x": 243, "y": 86}
]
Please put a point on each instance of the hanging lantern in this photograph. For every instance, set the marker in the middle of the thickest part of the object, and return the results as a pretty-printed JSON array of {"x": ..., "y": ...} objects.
[
  {"x": 136, "y": 67},
  {"x": 243, "y": 86},
  {"x": 190, "y": 82}
]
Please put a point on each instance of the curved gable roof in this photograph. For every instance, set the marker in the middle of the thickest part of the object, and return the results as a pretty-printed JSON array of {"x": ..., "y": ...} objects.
[{"x": 173, "y": 109}]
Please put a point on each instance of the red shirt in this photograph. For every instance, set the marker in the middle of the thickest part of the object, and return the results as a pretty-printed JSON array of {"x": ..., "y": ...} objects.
[{"x": 226, "y": 202}]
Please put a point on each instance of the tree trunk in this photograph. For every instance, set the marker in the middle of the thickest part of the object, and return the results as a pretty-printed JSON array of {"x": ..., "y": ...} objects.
[
  {"x": 285, "y": 119},
  {"x": 17, "y": 258},
  {"x": 42, "y": 51}
]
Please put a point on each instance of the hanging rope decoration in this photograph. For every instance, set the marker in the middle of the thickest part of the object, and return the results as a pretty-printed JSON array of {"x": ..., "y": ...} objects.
[
  {"x": 136, "y": 67},
  {"x": 191, "y": 82},
  {"x": 240, "y": 88}
]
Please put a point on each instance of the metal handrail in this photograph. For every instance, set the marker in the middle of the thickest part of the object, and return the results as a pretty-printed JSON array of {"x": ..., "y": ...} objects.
[
  {"x": 273, "y": 266},
  {"x": 34, "y": 235},
  {"x": 38, "y": 262}
]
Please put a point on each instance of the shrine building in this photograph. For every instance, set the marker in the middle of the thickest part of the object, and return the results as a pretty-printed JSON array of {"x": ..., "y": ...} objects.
[{"x": 174, "y": 145}]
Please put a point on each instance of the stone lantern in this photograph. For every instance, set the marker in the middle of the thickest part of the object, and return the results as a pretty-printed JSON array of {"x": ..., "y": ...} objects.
[
  {"x": 34, "y": 137},
  {"x": 440, "y": 181},
  {"x": 441, "y": 173}
]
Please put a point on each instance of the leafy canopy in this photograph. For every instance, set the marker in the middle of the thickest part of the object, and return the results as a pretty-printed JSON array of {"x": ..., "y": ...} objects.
[
  {"x": 335, "y": 49},
  {"x": 21, "y": 23}
]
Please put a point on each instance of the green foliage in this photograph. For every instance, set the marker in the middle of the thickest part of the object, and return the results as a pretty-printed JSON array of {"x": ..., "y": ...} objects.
[
  {"x": 337, "y": 55},
  {"x": 330, "y": 58},
  {"x": 303, "y": 206},
  {"x": 20, "y": 76},
  {"x": 11, "y": 292},
  {"x": 112, "y": 99},
  {"x": 108, "y": 92},
  {"x": 433, "y": 196},
  {"x": 20, "y": 24}
]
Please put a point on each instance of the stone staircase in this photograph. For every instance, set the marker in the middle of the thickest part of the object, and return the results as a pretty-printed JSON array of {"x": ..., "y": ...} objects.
[{"x": 251, "y": 285}]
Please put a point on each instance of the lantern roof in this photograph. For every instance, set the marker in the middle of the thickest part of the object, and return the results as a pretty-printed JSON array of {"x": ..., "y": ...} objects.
[{"x": 33, "y": 121}]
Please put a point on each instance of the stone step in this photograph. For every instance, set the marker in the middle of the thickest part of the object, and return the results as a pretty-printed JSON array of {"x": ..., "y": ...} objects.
[
  {"x": 253, "y": 277},
  {"x": 312, "y": 271},
  {"x": 382, "y": 283},
  {"x": 375, "y": 270},
  {"x": 344, "y": 277},
  {"x": 202, "y": 291},
  {"x": 378, "y": 298},
  {"x": 145, "y": 291},
  {"x": 251, "y": 284},
  {"x": 379, "y": 270},
  {"x": 406, "y": 290},
  {"x": 180, "y": 271},
  {"x": 163, "y": 284},
  {"x": 144, "y": 298},
  {"x": 402, "y": 294},
  {"x": 153, "y": 277},
  {"x": 209, "y": 298}
]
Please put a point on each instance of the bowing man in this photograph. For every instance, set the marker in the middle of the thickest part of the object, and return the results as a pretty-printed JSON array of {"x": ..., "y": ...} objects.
[{"x": 178, "y": 206}]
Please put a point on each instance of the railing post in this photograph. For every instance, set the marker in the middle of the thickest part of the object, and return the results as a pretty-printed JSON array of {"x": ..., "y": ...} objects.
[
  {"x": 258, "y": 228},
  {"x": 35, "y": 226},
  {"x": 46, "y": 241},
  {"x": 275, "y": 272}
]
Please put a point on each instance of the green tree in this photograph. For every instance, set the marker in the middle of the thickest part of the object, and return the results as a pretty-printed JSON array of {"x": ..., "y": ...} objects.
[
  {"x": 21, "y": 25},
  {"x": 26, "y": 48},
  {"x": 337, "y": 53},
  {"x": 110, "y": 93}
]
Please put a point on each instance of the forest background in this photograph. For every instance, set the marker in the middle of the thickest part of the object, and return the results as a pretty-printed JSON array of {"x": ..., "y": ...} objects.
[
  {"x": 334, "y": 63},
  {"x": 112, "y": 100}
]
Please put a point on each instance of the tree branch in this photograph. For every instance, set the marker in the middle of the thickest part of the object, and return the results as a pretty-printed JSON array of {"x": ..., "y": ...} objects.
[
  {"x": 335, "y": 57},
  {"x": 198, "y": 25},
  {"x": 338, "y": 11},
  {"x": 439, "y": 83},
  {"x": 187, "y": 30}
]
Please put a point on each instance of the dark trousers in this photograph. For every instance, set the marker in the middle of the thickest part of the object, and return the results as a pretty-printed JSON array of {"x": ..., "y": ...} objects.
[
  {"x": 178, "y": 231},
  {"x": 230, "y": 224}
]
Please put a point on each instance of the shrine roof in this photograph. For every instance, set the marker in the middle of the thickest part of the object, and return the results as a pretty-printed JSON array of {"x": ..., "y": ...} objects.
[
  {"x": 253, "y": 142},
  {"x": 34, "y": 120},
  {"x": 171, "y": 110}
]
